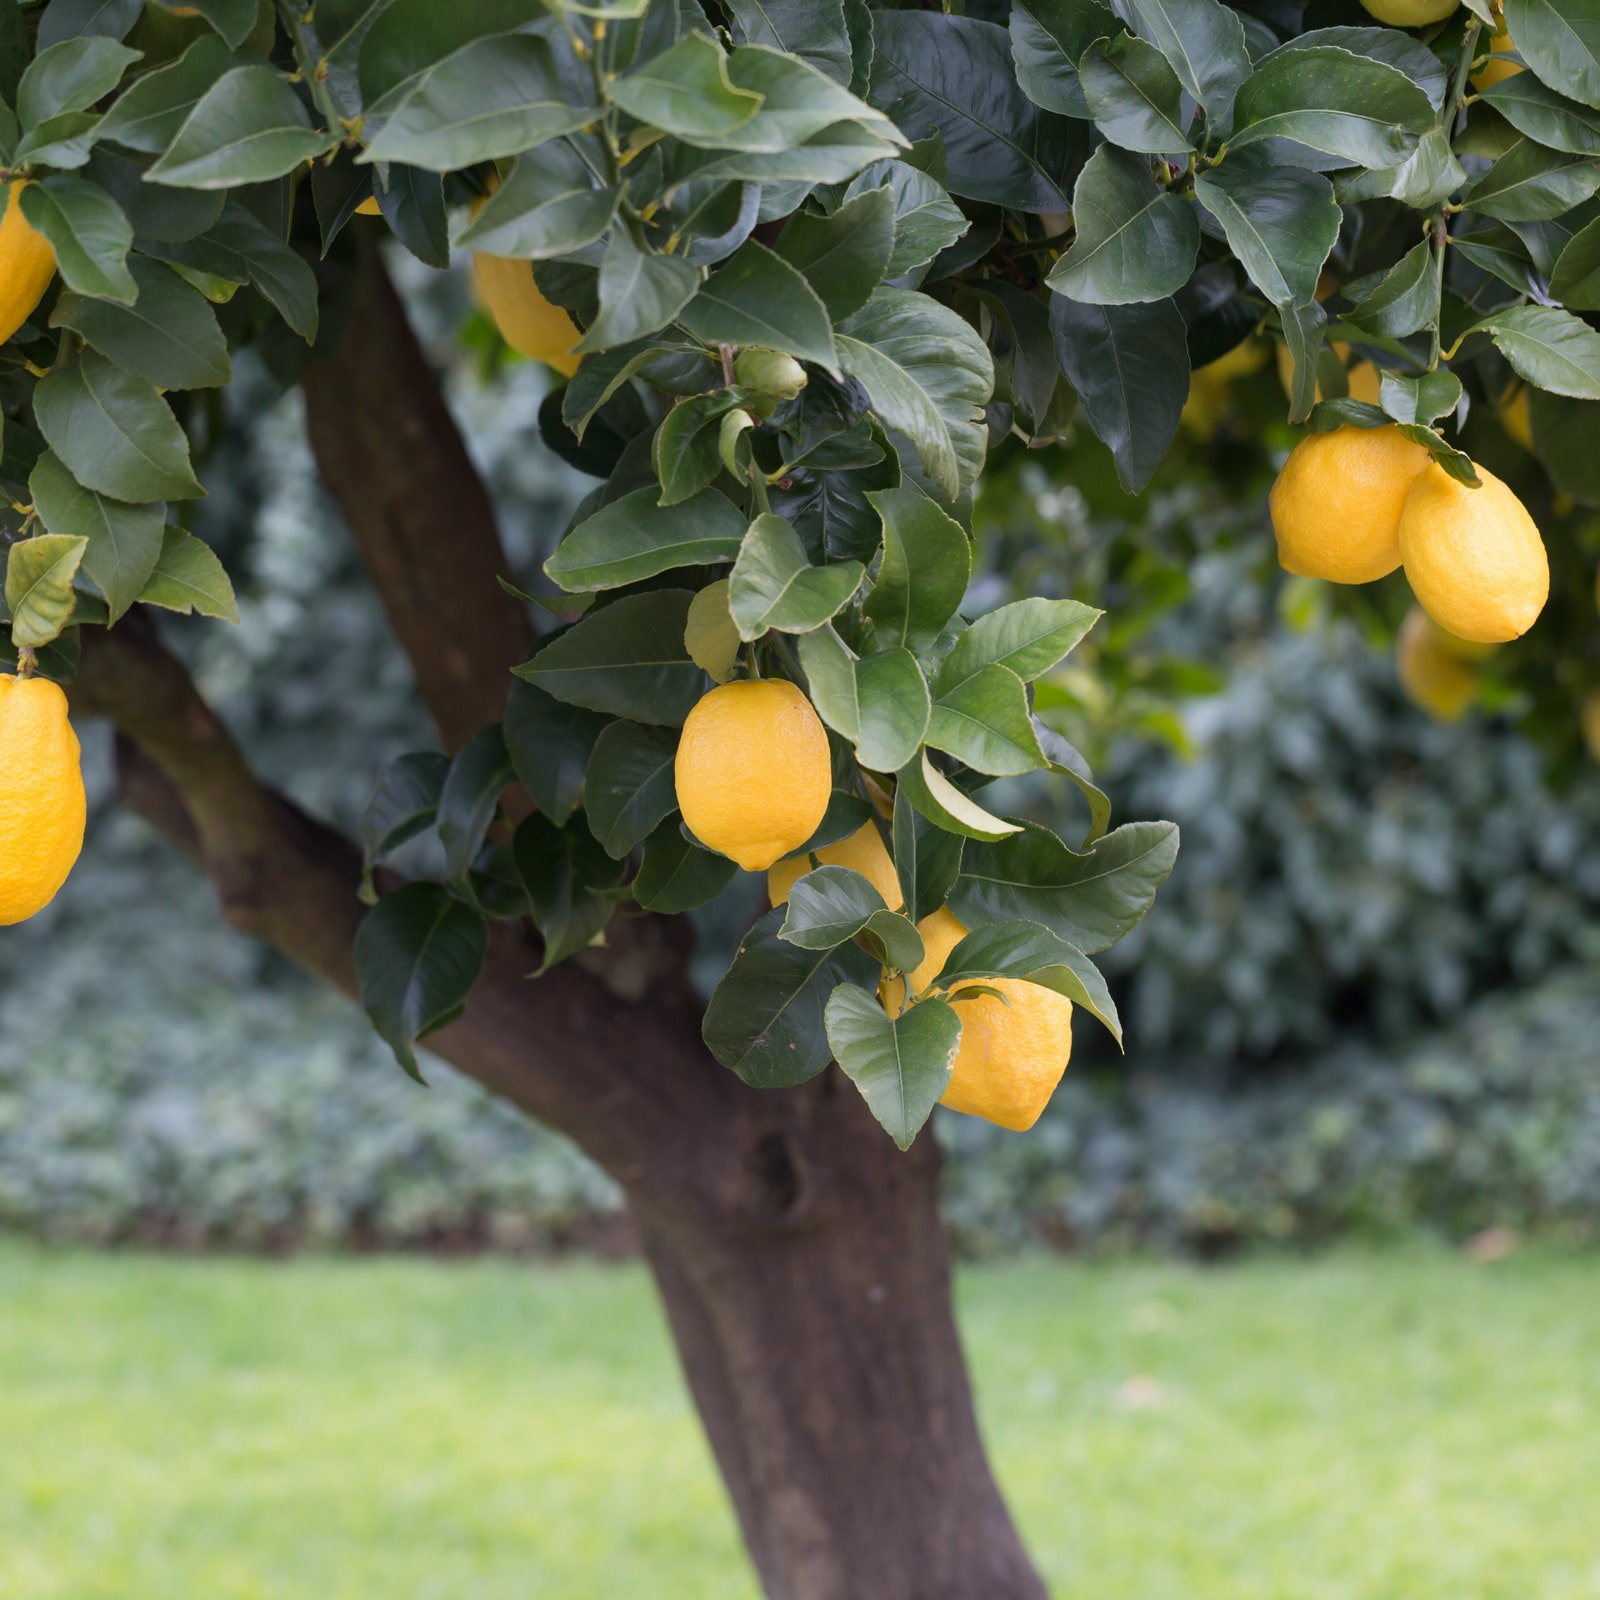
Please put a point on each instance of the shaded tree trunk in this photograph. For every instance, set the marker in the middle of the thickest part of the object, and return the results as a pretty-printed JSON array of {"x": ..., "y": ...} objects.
[{"x": 800, "y": 1256}]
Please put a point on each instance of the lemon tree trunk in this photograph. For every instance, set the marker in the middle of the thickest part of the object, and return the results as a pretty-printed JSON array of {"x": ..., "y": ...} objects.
[{"x": 799, "y": 1255}]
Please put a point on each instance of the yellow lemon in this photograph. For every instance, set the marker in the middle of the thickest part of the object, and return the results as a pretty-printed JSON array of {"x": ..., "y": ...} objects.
[
  {"x": 1474, "y": 556},
  {"x": 27, "y": 264},
  {"x": 1435, "y": 678},
  {"x": 41, "y": 796},
  {"x": 1410, "y": 13},
  {"x": 1492, "y": 71},
  {"x": 369, "y": 207},
  {"x": 1589, "y": 715},
  {"x": 526, "y": 320},
  {"x": 1012, "y": 1055},
  {"x": 1336, "y": 505},
  {"x": 941, "y": 931},
  {"x": 753, "y": 771},
  {"x": 862, "y": 852},
  {"x": 1516, "y": 416}
]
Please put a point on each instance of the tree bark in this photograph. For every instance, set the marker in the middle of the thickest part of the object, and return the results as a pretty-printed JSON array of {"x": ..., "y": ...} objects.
[{"x": 799, "y": 1255}]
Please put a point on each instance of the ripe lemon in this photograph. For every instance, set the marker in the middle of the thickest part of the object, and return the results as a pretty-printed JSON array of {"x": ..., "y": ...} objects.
[
  {"x": 1589, "y": 716},
  {"x": 862, "y": 852},
  {"x": 1474, "y": 556},
  {"x": 526, "y": 320},
  {"x": 369, "y": 207},
  {"x": 27, "y": 264},
  {"x": 1336, "y": 505},
  {"x": 753, "y": 771},
  {"x": 1492, "y": 71},
  {"x": 1410, "y": 13},
  {"x": 1516, "y": 416},
  {"x": 1011, "y": 1056},
  {"x": 41, "y": 796},
  {"x": 941, "y": 931},
  {"x": 1439, "y": 680}
]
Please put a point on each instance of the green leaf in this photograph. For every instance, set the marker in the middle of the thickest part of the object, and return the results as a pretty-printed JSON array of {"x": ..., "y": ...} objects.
[
  {"x": 687, "y": 448},
  {"x": 67, "y": 19},
  {"x": 984, "y": 723},
  {"x": 831, "y": 156},
  {"x": 1048, "y": 38},
  {"x": 634, "y": 538},
  {"x": 1549, "y": 348},
  {"x": 1281, "y": 222},
  {"x": 927, "y": 860},
  {"x": 1564, "y": 432},
  {"x": 114, "y": 432},
  {"x": 62, "y": 141},
  {"x": 550, "y": 743},
  {"x": 188, "y": 578},
  {"x": 814, "y": 30},
  {"x": 1456, "y": 462},
  {"x": 152, "y": 109},
  {"x": 570, "y": 882},
  {"x": 1421, "y": 399},
  {"x": 1134, "y": 96},
  {"x": 758, "y": 298},
  {"x": 1130, "y": 367},
  {"x": 927, "y": 563},
  {"x": 1561, "y": 43},
  {"x": 640, "y": 292},
  {"x": 233, "y": 19},
  {"x": 627, "y": 658},
  {"x": 926, "y": 219},
  {"x": 1030, "y": 951},
  {"x": 1424, "y": 180},
  {"x": 941, "y": 802},
  {"x": 686, "y": 91},
  {"x": 765, "y": 1019},
  {"x": 1335, "y": 101},
  {"x": 828, "y": 906},
  {"x": 1090, "y": 900},
  {"x": 1401, "y": 301},
  {"x": 124, "y": 540},
  {"x": 1398, "y": 49},
  {"x": 798, "y": 103},
  {"x": 676, "y": 876},
  {"x": 1530, "y": 184},
  {"x": 1303, "y": 327},
  {"x": 1027, "y": 636},
  {"x": 404, "y": 803},
  {"x": 955, "y": 74},
  {"x": 548, "y": 206},
  {"x": 492, "y": 98},
  {"x": 1135, "y": 240},
  {"x": 1536, "y": 110},
  {"x": 879, "y": 704},
  {"x": 711, "y": 636},
  {"x": 39, "y": 596},
  {"x": 418, "y": 954},
  {"x": 249, "y": 126},
  {"x": 88, "y": 232},
  {"x": 1203, "y": 41},
  {"x": 70, "y": 76},
  {"x": 169, "y": 335},
  {"x": 1576, "y": 279},
  {"x": 479, "y": 774},
  {"x": 844, "y": 256},
  {"x": 407, "y": 38},
  {"x": 927, "y": 374},
  {"x": 773, "y": 585},
  {"x": 901, "y": 1064},
  {"x": 1065, "y": 759},
  {"x": 629, "y": 788}
]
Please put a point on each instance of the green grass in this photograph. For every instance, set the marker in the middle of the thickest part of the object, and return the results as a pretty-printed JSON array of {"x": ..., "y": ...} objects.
[{"x": 1366, "y": 1427}]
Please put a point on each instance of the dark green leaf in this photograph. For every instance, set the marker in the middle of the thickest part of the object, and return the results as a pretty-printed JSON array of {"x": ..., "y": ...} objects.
[
  {"x": 1421, "y": 399},
  {"x": 640, "y": 292},
  {"x": 114, "y": 432},
  {"x": 1576, "y": 279},
  {"x": 798, "y": 102},
  {"x": 248, "y": 126},
  {"x": 765, "y": 1019},
  {"x": 124, "y": 540},
  {"x": 1065, "y": 759},
  {"x": 68, "y": 19},
  {"x": 418, "y": 954},
  {"x": 1090, "y": 900},
  {"x": 843, "y": 256},
  {"x": 548, "y": 206},
  {"x": 901, "y": 1065},
  {"x": 412, "y": 203},
  {"x": 150, "y": 112},
  {"x": 1134, "y": 96},
  {"x": 1549, "y": 348},
  {"x": 407, "y": 38},
  {"x": 189, "y": 578},
  {"x": 1282, "y": 222},
  {"x": 757, "y": 298},
  {"x": 629, "y": 787},
  {"x": 627, "y": 658},
  {"x": 773, "y": 585},
  {"x": 550, "y": 743},
  {"x": 1530, "y": 184},
  {"x": 927, "y": 563},
  {"x": 1204, "y": 42},
  {"x": 634, "y": 538},
  {"x": 1401, "y": 302},
  {"x": 1303, "y": 328},
  {"x": 70, "y": 76},
  {"x": 983, "y": 722},
  {"x": 1130, "y": 367},
  {"x": 927, "y": 860},
  {"x": 1564, "y": 432},
  {"x": 479, "y": 775},
  {"x": 1561, "y": 42},
  {"x": 404, "y": 803},
  {"x": 1390, "y": 45},
  {"x": 687, "y": 447},
  {"x": 827, "y": 906},
  {"x": 686, "y": 91},
  {"x": 812, "y": 29},
  {"x": 88, "y": 232},
  {"x": 1135, "y": 240},
  {"x": 1048, "y": 37},
  {"x": 677, "y": 876},
  {"x": 1535, "y": 109},
  {"x": 879, "y": 704},
  {"x": 926, "y": 219},
  {"x": 39, "y": 595},
  {"x": 570, "y": 883},
  {"x": 233, "y": 19}
]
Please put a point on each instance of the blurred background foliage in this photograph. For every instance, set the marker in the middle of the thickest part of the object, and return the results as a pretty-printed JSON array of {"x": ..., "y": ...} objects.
[{"x": 1365, "y": 1001}]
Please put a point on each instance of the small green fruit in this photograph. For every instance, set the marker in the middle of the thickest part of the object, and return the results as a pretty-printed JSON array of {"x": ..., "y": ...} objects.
[{"x": 770, "y": 376}]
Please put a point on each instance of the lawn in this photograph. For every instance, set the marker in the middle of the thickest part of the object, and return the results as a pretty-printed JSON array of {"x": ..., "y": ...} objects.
[{"x": 1366, "y": 1427}]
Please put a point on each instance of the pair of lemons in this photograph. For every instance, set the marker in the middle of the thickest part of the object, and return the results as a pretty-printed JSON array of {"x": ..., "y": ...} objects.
[
  {"x": 754, "y": 775},
  {"x": 1352, "y": 505}
]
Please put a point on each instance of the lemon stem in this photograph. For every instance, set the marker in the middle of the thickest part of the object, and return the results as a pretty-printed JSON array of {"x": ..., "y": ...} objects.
[
  {"x": 1441, "y": 222},
  {"x": 26, "y": 662}
]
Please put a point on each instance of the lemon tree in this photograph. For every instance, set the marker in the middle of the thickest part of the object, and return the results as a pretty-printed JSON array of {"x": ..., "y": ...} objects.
[{"x": 799, "y": 269}]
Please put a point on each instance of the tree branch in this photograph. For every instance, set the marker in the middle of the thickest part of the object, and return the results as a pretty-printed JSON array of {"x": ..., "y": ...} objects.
[{"x": 394, "y": 460}]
